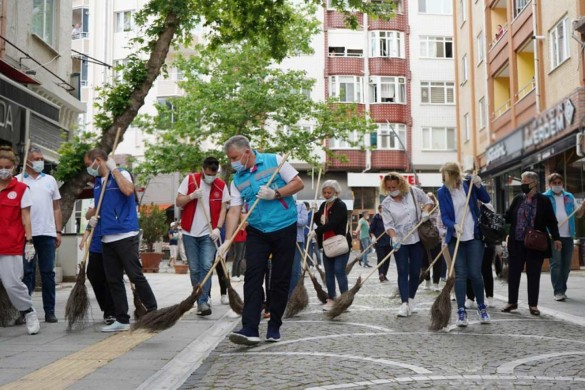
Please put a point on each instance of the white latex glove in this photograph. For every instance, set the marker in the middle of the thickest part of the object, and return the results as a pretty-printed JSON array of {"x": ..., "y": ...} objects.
[
  {"x": 475, "y": 179},
  {"x": 215, "y": 234},
  {"x": 111, "y": 164},
  {"x": 197, "y": 194},
  {"x": 266, "y": 193},
  {"x": 323, "y": 219},
  {"x": 29, "y": 252},
  {"x": 396, "y": 245},
  {"x": 223, "y": 249},
  {"x": 311, "y": 235},
  {"x": 314, "y": 206},
  {"x": 374, "y": 240},
  {"x": 93, "y": 221},
  {"x": 458, "y": 229},
  {"x": 425, "y": 216}
]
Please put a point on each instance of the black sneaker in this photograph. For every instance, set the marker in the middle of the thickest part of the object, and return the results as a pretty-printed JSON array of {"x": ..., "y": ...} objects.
[
  {"x": 204, "y": 310},
  {"x": 245, "y": 337},
  {"x": 109, "y": 320},
  {"x": 272, "y": 335},
  {"x": 51, "y": 318}
]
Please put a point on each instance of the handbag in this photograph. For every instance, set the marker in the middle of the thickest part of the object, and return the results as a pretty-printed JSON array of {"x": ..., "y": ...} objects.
[
  {"x": 535, "y": 240},
  {"x": 427, "y": 231},
  {"x": 491, "y": 225},
  {"x": 336, "y": 245}
]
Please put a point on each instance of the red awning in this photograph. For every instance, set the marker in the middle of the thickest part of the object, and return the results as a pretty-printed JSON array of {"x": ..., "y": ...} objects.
[{"x": 15, "y": 74}]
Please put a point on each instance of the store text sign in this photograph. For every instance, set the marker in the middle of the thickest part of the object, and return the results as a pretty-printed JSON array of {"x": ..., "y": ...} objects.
[
  {"x": 549, "y": 124},
  {"x": 6, "y": 116}
]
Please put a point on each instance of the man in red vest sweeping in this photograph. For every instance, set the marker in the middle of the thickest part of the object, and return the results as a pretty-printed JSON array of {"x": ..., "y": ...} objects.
[{"x": 197, "y": 191}]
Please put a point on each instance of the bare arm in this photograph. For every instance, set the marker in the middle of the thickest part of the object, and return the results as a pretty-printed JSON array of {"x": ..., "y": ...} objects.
[
  {"x": 232, "y": 220},
  {"x": 25, "y": 217},
  {"x": 182, "y": 200},
  {"x": 125, "y": 185},
  {"x": 58, "y": 221},
  {"x": 222, "y": 214}
]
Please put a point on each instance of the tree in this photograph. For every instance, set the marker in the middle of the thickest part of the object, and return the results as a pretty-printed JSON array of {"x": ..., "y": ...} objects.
[{"x": 167, "y": 22}]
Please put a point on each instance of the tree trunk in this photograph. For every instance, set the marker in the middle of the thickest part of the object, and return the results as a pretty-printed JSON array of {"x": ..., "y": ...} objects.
[{"x": 72, "y": 188}]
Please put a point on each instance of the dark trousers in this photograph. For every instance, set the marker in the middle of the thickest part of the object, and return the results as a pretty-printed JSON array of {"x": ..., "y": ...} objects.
[
  {"x": 520, "y": 256},
  {"x": 97, "y": 277},
  {"x": 259, "y": 246},
  {"x": 238, "y": 249},
  {"x": 381, "y": 253},
  {"x": 45, "y": 256},
  {"x": 221, "y": 277},
  {"x": 437, "y": 267},
  {"x": 119, "y": 257},
  {"x": 489, "y": 254}
]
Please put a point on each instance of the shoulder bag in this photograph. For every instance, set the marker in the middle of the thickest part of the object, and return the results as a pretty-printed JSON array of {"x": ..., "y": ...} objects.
[
  {"x": 336, "y": 245},
  {"x": 535, "y": 240},
  {"x": 491, "y": 225},
  {"x": 427, "y": 231}
]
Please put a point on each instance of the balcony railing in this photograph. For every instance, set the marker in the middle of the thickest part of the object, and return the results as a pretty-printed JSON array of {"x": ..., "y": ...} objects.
[
  {"x": 499, "y": 35},
  {"x": 526, "y": 89},
  {"x": 502, "y": 109}
]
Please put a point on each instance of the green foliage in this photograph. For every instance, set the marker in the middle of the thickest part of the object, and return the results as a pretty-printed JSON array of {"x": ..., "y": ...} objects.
[
  {"x": 153, "y": 223},
  {"x": 72, "y": 153}
]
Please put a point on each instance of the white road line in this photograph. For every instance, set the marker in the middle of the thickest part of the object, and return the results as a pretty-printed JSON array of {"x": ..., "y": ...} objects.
[
  {"x": 314, "y": 338},
  {"x": 375, "y": 327},
  {"x": 508, "y": 368}
]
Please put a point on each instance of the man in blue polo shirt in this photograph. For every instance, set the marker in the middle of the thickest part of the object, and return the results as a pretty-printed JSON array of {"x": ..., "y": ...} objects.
[
  {"x": 271, "y": 230},
  {"x": 118, "y": 221}
]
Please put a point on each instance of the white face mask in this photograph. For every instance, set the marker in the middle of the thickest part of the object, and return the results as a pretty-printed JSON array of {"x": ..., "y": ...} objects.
[
  {"x": 331, "y": 199},
  {"x": 394, "y": 193},
  {"x": 209, "y": 179},
  {"x": 557, "y": 189},
  {"x": 38, "y": 166},
  {"x": 5, "y": 174}
]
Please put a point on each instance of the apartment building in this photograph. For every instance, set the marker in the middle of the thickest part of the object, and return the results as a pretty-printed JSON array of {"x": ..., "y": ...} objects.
[
  {"x": 534, "y": 90},
  {"x": 38, "y": 87}
]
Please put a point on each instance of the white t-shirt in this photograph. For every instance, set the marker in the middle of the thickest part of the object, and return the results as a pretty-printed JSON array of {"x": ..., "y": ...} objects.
[
  {"x": 199, "y": 226},
  {"x": 287, "y": 173},
  {"x": 401, "y": 215},
  {"x": 44, "y": 191},
  {"x": 26, "y": 200},
  {"x": 459, "y": 198},
  {"x": 117, "y": 237},
  {"x": 561, "y": 214}
]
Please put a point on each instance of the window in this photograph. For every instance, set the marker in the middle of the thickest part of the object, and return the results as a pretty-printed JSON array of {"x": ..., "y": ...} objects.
[
  {"x": 343, "y": 52},
  {"x": 169, "y": 113},
  {"x": 439, "y": 138},
  {"x": 467, "y": 129},
  {"x": 482, "y": 113},
  {"x": 336, "y": 143},
  {"x": 347, "y": 88},
  {"x": 118, "y": 68},
  {"x": 436, "y": 47},
  {"x": 124, "y": 21},
  {"x": 387, "y": 44},
  {"x": 389, "y": 136},
  {"x": 559, "y": 47},
  {"x": 463, "y": 8},
  {"x": 387, "y": 89},
  {"x": 442, "y": 7},
  {"x": 464, "y": 69},
  {"x": 519, "y": 5},
  {"x": 84, "y": 73},
  {"x": 480, "y": 43},
  {"x": 437, "y": 92},
  {"x": 43, "y": 20}
]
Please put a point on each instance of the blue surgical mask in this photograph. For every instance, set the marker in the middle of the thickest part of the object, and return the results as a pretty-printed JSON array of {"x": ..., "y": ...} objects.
[
  {"x": 238, "y": 166},
  {"x": 93, "y": 171},
  {"x": 209, "y": 178},
  {"x": 38, "y": 166}
]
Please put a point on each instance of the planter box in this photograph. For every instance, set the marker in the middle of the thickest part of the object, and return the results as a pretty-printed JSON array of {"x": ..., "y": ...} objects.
[
  {"x": 151, "y": 261},
  {"x": 181, "y": 268}
]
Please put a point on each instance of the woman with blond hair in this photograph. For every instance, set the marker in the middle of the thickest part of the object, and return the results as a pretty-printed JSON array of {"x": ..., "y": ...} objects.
[
  {"x": 401, "y": 210},
  {"x": 463, "y": 226}
]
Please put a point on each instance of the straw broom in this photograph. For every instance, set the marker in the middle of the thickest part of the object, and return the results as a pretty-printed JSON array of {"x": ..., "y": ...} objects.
[
  {"x": 77, "y": 307},
  {"x": 7, "y": 311},
  {"x": 236, "y": 302},
  {"x": 441, "y": 309},
  {"x": 321, "y": 294},
  {"x": 299, "y": 299},
  {"x": 162, "y": 319},
  {"x": 345, "y": 300},
  {"x": 139, "y": 308},
  {"x": 350, "y": 265}
]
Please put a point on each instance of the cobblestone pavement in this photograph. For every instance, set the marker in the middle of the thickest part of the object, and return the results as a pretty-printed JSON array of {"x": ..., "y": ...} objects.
[{"x": 370, "y": 347}]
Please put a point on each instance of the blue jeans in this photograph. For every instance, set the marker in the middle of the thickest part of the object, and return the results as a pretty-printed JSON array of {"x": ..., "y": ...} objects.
[
  {"x": 296, "y": 268},
  {"x": 364, "y": 243},
  {"x": 45, "y": 248},
  {"x": 313, "y": 249},
  {"x": 200, "y": 255},
  {"x": 560, "y": 265},
  {"x": 335, "y": 269},
  {"x": 408, "y": 262},
  {"x": 468, "y": 265}
]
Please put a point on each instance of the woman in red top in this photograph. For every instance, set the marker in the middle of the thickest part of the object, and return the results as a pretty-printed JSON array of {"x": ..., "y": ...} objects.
[
  {"x": 15, "y": 202},
  {"x": 331, "y": 219}
]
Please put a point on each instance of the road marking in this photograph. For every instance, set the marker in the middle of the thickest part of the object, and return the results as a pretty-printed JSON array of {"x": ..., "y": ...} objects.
[
  {"x": 68, "y": 370},
  {"x": 417, "y": 369},
  {"x": 375, "y": 327},
  {"x": 313, "y": 338},
  {"x": 508, "y": 368}
]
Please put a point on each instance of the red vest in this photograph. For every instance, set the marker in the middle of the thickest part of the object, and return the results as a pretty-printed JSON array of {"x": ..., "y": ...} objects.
[
  {"x": 11, "y": 228},
  {"x": 215, "y": 200}
]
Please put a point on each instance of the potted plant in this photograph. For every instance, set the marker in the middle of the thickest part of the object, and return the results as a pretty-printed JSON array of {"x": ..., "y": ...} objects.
[{"x": 153, "y": 223}]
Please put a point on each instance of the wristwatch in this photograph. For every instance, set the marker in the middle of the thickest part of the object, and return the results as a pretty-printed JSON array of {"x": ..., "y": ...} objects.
[
  {"x": 277, "y": 194},
  {"x": 29, "y": 241}
]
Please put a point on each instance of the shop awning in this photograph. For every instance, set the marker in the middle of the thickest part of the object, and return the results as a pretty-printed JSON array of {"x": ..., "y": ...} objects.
[{"x": 15, "y": 74}]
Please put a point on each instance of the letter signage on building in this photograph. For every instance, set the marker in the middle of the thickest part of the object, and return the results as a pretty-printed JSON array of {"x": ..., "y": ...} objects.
[
  {"x": 549, "y": 124},
  {"x": 10, "y": 121}
]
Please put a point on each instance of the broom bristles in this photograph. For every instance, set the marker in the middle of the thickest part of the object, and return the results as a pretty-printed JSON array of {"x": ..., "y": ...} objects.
[
  {"x": 344, "y": 300},
  {"x": 77, "y": 307},
  {"x": 236, "y": 303},
  {"x": 441, "y": 309},
  {"x": 299, "y": 299},
  {"x": 504, "y": 274},
  {"x": 139, "y": 308},
  {"x": 7, "y": 312},
  {"x": 350, "y": 265},
  {"x": 321, "y": 273},
  {"x": 321, "y": 294},
  {"x": 162, "y": 319}
]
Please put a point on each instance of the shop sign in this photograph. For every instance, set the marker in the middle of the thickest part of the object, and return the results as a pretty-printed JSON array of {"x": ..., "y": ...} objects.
[
  {"x": 10, "y": 115},
  {"x": 506, "y": 149},
  {"x": 550, "y": 123}
]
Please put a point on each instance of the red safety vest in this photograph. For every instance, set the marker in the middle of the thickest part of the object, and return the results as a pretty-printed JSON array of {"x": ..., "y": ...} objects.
[
  {"x": 215, "y": 200},
  {"x": 11, "y": 228}
]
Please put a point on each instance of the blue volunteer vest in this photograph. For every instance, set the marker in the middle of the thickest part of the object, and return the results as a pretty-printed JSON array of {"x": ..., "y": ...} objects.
[
  {"x": 269, "y": 215},
  {"x": 96, "y": 240},
  {"x": 118, "y": 212}
]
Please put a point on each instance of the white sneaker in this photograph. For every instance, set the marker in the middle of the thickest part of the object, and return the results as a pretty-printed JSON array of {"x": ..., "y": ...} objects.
[
  {"x": 490, "y": 301},
  {"x": 116, "y": 327},
  {"x": 404, "y": 310},
  {"x": 469, "y": 304},
  {"x": 224, "y": 300},
  {"x": 427, "y": 285},
  {"x": 235, "y": 278},
  {"x": 328, "y": 305},
  {"x": 559, "y": 297},
  {"x": 412, "y": 305},
  {"x": 436, "y": 287},
  {"x": 32, "y": 322}
]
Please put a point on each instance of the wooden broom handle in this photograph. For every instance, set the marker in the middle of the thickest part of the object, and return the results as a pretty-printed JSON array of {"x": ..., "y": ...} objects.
[
  {"x": 27, "y": 147},
  {"x": 306, "y": 252}
]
